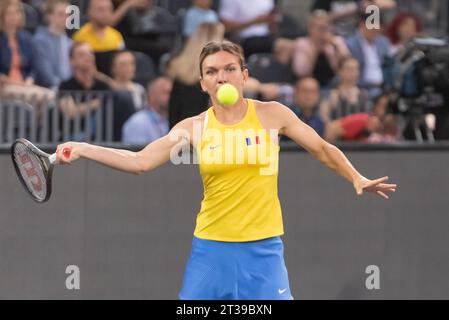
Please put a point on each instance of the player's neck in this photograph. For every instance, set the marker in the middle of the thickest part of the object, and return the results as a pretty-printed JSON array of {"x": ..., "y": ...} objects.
[{"x": 231, "y": 114}]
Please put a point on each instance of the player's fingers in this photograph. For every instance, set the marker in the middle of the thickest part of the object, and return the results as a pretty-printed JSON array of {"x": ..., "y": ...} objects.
[
  {"x": 377, "y": 181},
  {"x": 61, "y": 158},
  {"x": 387, "y": 185},
  {"x": 382, "y": 194},
  {"x": 383, "y": 188},
  {"x": 65, "y": 154}
]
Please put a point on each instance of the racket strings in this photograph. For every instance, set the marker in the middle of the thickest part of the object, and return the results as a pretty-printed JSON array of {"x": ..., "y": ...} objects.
[{"x": 31, "y": 170}]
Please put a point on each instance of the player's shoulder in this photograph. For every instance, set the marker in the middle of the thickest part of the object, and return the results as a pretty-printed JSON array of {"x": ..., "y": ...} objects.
[
  {"x": 273, "y": 114},
  {"x": 270, "y": 108},
  {"x": 190, "y": 122}
]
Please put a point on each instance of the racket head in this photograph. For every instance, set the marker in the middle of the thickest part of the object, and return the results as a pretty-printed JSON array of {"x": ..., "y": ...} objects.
[{"x": 33, "y": 169}]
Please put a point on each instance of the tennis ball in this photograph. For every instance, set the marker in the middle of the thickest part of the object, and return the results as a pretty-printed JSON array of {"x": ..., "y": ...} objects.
[{"x": 227, "y": 94}]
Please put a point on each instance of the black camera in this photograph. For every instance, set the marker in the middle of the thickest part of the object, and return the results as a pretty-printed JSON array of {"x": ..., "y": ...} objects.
[
  {"x": 417, "y": 79},
  {"x": 423, "y": 63}
]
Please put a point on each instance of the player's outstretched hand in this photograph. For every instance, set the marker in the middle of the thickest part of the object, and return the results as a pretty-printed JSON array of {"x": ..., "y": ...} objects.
[
  {"x": 68, "y": 152},
  {"x": 376, "y": 186}
]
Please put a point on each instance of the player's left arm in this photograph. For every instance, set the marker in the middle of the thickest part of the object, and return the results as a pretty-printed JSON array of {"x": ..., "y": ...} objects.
[{"x": 305, "y": 136}]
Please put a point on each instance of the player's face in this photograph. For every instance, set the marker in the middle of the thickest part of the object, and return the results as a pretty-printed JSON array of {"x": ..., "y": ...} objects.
[{"x": 220, "y": 68}]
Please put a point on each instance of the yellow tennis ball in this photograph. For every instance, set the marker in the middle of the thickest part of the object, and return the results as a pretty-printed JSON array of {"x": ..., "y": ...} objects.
[{"x": 227, "y": 94}]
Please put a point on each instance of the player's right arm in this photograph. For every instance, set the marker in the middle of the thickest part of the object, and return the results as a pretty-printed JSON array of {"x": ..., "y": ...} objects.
[{"x": 152, "y": 156}]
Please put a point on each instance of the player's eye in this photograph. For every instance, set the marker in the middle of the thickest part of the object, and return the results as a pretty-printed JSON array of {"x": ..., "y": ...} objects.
[
  {"x": 210, "y": 72},
  {"x": 230, "y": 69}
]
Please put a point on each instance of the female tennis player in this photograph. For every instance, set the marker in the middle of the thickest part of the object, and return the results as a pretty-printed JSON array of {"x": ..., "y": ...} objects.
[{"x": 237, "y": 252}]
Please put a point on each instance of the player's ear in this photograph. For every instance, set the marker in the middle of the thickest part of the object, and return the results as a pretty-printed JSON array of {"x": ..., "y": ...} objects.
[
  {"x": 245, "y": 73},
  {"x": 203, "y": 88}
]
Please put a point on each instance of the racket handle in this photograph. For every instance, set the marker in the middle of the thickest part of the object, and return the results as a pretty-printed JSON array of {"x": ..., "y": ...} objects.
[{"x": 52, "y": 158}]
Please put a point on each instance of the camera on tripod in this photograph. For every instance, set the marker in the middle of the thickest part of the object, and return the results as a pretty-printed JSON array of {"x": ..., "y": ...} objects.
[{"x": 417, "y": 79}]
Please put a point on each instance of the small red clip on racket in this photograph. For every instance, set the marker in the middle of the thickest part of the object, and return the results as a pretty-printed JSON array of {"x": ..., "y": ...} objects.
[{"x": 34, "y": 168}]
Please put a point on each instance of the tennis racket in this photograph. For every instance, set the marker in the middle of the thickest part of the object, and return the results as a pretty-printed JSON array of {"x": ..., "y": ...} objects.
[{"x": 34, "y": 168}]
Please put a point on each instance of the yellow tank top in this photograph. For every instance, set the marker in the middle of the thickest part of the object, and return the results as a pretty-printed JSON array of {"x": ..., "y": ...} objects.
[{"x": 239, "y": 168}]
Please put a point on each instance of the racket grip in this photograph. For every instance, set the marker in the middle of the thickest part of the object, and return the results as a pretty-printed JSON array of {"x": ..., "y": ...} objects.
[{"x": 52, "y": 158}]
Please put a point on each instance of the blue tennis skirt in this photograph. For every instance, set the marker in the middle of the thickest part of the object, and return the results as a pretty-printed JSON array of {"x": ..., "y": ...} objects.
[{"x": 253, "y": 270}]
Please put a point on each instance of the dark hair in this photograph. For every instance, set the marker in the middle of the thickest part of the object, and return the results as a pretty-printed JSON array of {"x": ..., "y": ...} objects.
[
  {"x": 378, "y": 97},
  {"x": 393, "y": 27},
  {"x": 301, "y": 80},
  {"x": 343, "y": 61},
  {"x": 119, "y": 52},
  {"x": 363, "y": 16},
  {"x": 74, "y": 46},
  {"x": 217, "y": 46}
]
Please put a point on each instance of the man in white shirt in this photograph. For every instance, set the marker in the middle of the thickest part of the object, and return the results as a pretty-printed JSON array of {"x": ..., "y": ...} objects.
[{"x": 253, "y": 22}]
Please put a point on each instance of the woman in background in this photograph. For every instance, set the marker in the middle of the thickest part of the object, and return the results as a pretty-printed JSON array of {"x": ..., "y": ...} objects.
[
  {"x": 405, "y": 25},
  {"x": 346, "y": 98},
  {"x": 17, "y": 60}
]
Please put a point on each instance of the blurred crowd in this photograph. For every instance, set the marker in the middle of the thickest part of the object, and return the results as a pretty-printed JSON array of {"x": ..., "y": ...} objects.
[{"x": 330, "y": 73}]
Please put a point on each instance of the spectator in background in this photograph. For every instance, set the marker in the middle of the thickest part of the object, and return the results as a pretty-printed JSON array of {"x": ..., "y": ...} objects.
[
  {"x": 254, "y": 23},
  {"x": 320, "y": 52},
  {"x": 389, "y": 132},
  {"x": 146, "y": 27},
  {"x": 354, "y": 127},
  {"x": 122, "y": 7},
  {"x": 103, "y": 39},
  {"x": 98, "y": 32},
  {"x": 123, "y": 72},
  {"x": 151, "y": 123},
  {"x": 17, "y": 55},
  {"x": 82, "y": 61},
  {"x": 403, "y": 27},
  {"x": 343, "y": 14},
  {"x": 78, "y": 100},
  {"x": 306, "y": 103},
  {"x": 187, "y": 98},
  {"x": 346, "y": 97},
  {"x": 271, "y": 75},
  {"x": 200, "y": 12},
  {"x": 370, "y": 48},
  {"x": 374, "y": 126},
  {"x": 377, "y": 126},
  {"x": 53, "y": 45}
]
